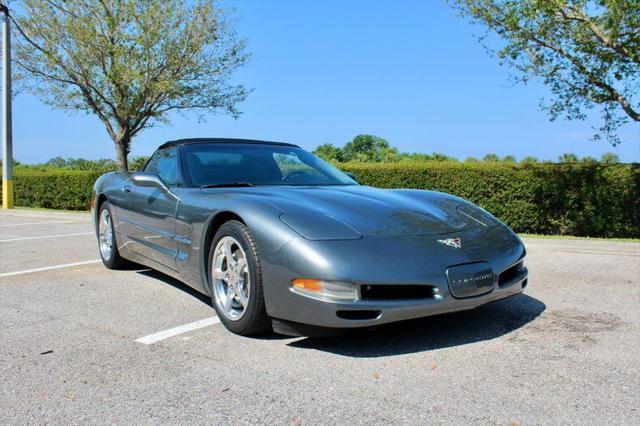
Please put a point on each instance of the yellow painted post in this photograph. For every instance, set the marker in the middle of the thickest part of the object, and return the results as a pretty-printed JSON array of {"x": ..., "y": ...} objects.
[
  {"x": 7, "y": 193},
  {"x": 7, "y": 142}
]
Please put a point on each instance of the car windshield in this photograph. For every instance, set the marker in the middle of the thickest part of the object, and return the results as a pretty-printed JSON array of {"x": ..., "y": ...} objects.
[{"x": 220, "y": 164}]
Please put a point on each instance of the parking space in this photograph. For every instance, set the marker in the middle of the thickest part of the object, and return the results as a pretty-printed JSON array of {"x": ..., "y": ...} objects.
[
  {"x": 72, "y": 347},
  {"x": 40, "y": 230},
  {"x": 30, "y": 240}
]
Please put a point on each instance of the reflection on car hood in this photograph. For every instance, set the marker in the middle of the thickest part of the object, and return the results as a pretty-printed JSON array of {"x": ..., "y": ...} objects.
[{"x": 371, "y": 211}]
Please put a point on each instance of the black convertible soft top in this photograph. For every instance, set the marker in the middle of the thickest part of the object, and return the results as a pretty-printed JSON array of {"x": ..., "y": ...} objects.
[{"x": 222, "y": 140}]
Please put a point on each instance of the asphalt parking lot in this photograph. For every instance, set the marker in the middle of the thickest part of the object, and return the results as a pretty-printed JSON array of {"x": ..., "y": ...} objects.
[{"x": 79, "y": 344}]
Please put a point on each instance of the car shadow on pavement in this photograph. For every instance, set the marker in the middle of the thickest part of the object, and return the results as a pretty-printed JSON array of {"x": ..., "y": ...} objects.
[
  {"x": 484, "y": 323},
  {"x": 152, "y": 273}
]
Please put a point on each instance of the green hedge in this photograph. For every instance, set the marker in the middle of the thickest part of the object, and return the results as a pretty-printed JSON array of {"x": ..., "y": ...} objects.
[
  {"x": 583, "y": 200},
  {"x": 58, "y": 189}
]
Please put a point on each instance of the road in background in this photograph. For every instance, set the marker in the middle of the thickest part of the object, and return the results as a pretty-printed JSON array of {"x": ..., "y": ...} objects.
[{"x": 565, "y": 351}]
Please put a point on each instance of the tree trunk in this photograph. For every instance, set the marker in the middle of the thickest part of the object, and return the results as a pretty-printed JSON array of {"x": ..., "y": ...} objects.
[{"x": 123, "y": 146}]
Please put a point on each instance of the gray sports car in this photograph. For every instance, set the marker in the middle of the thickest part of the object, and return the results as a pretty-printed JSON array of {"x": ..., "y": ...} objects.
[{"x": 280, "y": 239}]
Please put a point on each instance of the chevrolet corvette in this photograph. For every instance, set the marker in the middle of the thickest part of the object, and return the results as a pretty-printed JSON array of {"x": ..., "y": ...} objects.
[{"x": 281, "y": 240}]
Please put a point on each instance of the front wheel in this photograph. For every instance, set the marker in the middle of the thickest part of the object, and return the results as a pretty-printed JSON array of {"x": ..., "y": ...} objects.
[
  {"x": 236, "y": 280},
  {"x": 107, "y": 239}
]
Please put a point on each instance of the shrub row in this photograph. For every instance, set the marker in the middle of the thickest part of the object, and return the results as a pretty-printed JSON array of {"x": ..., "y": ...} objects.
[
  {"x": 583, "y": 200},
  {"x": 55, "y": 189}
]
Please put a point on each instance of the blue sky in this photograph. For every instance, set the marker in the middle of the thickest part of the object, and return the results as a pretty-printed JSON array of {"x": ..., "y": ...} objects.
[{"x": 411, "y": 72}]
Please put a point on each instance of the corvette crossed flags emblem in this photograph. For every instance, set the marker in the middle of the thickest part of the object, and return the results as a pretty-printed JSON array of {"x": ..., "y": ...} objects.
[{"x": 452, "y": 242}]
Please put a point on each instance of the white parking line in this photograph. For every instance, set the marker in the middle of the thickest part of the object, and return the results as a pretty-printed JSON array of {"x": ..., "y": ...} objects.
[
  {"x": 165, "y": 334},
  {"x": 39, "y": 223},
  {"x": 40, "y": 237},
  {"x": 48, "y": 268}
]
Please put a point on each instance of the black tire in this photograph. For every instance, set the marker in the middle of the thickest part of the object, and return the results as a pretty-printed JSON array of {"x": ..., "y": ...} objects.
[
  {"x": 114, "y": 260},
  {"x": 255, "y": 319}
]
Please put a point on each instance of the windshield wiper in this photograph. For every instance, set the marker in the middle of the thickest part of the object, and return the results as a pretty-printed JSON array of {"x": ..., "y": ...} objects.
[{"x": 226, "y": 185}]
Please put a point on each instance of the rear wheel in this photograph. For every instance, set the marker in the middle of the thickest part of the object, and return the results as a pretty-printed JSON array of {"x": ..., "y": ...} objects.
[
  {"x": 107, "y": 239},
  {"x": 236, "y": 280}
]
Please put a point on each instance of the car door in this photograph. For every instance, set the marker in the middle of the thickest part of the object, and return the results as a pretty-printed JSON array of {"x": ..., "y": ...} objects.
[{"x": 147, "y": 215}]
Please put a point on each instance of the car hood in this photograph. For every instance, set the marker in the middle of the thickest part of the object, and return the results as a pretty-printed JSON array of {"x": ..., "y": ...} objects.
[{"x": 336, "y": 212}]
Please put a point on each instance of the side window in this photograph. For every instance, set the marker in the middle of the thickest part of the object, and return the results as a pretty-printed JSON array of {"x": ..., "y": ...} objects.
[{"x": 164, "y": 163}]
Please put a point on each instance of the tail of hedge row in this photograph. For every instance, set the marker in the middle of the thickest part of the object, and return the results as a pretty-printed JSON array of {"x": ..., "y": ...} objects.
[
  {"x": 583, "y": 200},
  {"x": 68, "y": 190}
]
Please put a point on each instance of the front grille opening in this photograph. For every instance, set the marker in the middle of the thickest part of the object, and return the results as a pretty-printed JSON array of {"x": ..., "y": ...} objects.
[
  {"x": 509, "y": 275},
  {"x": 358, "y": 315},
  {"x": 396, "y": 292}
]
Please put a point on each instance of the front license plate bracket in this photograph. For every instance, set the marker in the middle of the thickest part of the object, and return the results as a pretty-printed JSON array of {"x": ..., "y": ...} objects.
[{"x": 470, "y": 279}]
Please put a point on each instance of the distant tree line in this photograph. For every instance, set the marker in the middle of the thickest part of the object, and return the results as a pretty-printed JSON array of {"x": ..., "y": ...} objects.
[
  {"x": 101, "y": 165},
  {"x": 374, "y": 149},
  {"x": 361, "y": 149}
]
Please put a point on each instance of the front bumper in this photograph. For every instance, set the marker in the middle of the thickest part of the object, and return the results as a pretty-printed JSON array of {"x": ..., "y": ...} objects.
[
  {"x": 389, "y": 262},
  {"x": 361, "y": 313}
]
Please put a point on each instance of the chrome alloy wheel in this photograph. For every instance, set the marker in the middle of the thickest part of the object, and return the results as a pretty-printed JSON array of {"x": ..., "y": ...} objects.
[
  {"x": 105, "y": 234},
  {"x": 231, "y": 279}
]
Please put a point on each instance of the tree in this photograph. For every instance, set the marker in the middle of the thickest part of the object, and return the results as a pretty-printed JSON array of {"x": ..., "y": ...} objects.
[
  {"x": 568, "y": 158},
  {"x": 56, "y": 162},
  {"x": 373, "y": 149},
  {"x": 415, "y": 156},
  {"x": 436, "y": 156},
  {"x": 79, "y": 164},
  {"x": 588, "y": 160},
  {"x": 137, "y": 163},
  {"x": 586, "y": 52},
  {"x": 471, "y": 160},
  {"x": 328, "y": 152},
  {"x": 609, "y": 158},
  {"x": 129, "y": 62},
  {"x": 529, "y": 160},
  {"x": 509, "y": 159},
  {"x": 367, "y": 148},
  {"x": 82, "y": 164},
  {"x": 491, "y": 158},
  {"x": 388, "y": 155}
]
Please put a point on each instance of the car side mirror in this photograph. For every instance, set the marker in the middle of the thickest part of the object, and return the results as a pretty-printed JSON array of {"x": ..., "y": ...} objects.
[
  {"x": 148, "y": 180},
  {"x": 351, "y": 175}
]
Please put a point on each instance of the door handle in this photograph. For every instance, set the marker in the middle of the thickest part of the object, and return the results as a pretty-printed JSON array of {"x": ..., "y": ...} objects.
[{"x": 126, "y": 188}]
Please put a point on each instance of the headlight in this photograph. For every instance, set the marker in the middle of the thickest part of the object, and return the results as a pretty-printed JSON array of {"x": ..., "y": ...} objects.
[
  {"x": 324, "y": 289},
  {"x": 318, "y": 226}
]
